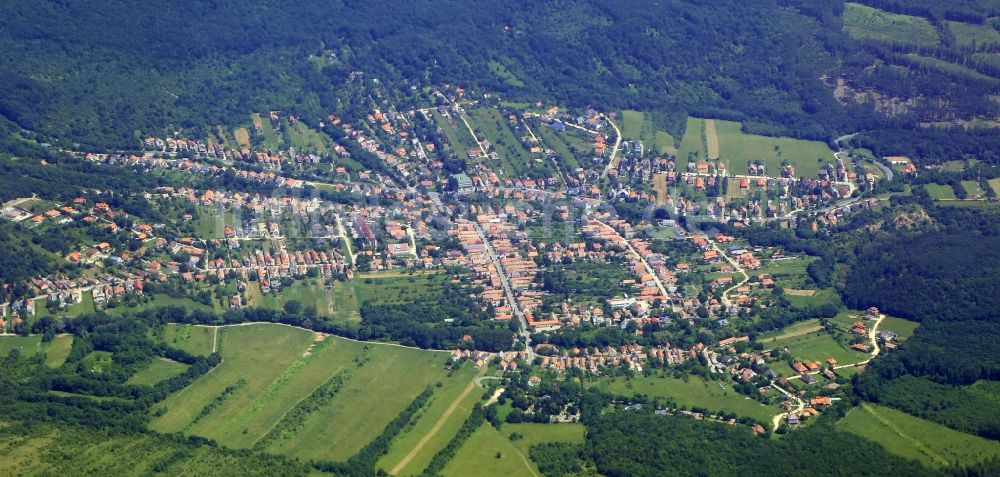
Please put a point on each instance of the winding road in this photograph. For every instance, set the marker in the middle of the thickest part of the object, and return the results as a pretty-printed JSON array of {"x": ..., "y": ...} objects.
[{"x": 614, "y": 150}]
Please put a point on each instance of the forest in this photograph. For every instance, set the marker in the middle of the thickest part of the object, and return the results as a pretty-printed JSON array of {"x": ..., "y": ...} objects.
[
  {"x": 668, "y": 445},
  {"x": 132, "y": 70}
]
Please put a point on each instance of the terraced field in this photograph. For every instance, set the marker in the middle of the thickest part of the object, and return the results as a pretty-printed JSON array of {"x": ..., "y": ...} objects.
[{"x": 291, "y": 391}]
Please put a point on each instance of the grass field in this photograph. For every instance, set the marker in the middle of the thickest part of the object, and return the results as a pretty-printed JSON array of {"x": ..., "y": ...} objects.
[
  {"x": 86, "y": 305},
  {"x": 503, "y": 73},
  {"x": 940, "y": 192},
  {"x": 58, "y": 351},
  {"x": 947, "y": 67},
  {"x": 794, "y": 329},
  {"x": 902, "y": 327},
  {"x": 268, "y": 369},
  {"x": 817, "y": 346},
  {"x": 788, "y": 272},
  {"x": 457, "y": 134},
  {"x": 912, "y": 437},
  {"x": 89, "y": 451},
  {"x": 157, "y": 371},
  {"x": 242, "y": 136},
  {"x": 711, "y": 395},
  {"x": 383, "y": 288},
  {"x": 692, "y": 143},
  {"x": 305, "y": 139},
  {"x": 196, "y": 340},
  {"x": 725, "y": 139},
  {"x": 995, "y": 185},
  {"x": 973, "y": 189},
  {"x": 392, "y": 378},
  {"x": 812, "y": 297},
  {"x": 736, "y": 148},
  {"x": 515, "y": 160},
  {"x": 243, "y": 349},
  {"x": 967, "y": 33},
  {"x": 267, "y": 132},
  {"x": 428, "y": 418},
  {"x": 534, "y": 434},
  {"x": 339, "y": 302},
  {"x": 478, "y": 456},
  {"x": 711, "y": 139},
  {"x": 867, "y": 23},
  {"x": 27, "y": 345},
  {"x": 639, "y": 125},
  {"x": 559, "y": 143}
]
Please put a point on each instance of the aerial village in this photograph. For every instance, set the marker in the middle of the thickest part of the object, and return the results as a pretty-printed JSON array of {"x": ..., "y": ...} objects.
[{"x": 531, "y": 212}]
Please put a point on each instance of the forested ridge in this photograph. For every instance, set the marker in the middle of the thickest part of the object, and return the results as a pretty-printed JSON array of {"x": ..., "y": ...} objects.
[{"x": 128, "y": 69}]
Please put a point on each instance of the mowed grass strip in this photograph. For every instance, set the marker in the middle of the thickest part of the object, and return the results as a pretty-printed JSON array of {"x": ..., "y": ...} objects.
[
  {"x": 443, "y": 397},
  {"x": 58, "y": 351},
  {"x": 258, "y": 354},
  {"x": 376, "y": 393},
  {"x": 912, "y": 437}
]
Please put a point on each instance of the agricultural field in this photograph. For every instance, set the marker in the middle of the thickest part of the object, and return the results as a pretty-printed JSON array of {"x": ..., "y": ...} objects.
[
  {"x": 248, "y": 370},
  {"x": 908, "y": 436},
  {"x": 197, "y": 340},
  {"x": 867, "y": 23},
  {"x": 693, "y": 391},
  {"x": 488, "y": 453},
  {"x": 435, "y": 425},
  {"x": 158, "y": 370},
  {"x": 285, "y": 400},
  {"x": 639, "y": 125}
]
